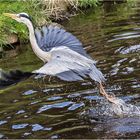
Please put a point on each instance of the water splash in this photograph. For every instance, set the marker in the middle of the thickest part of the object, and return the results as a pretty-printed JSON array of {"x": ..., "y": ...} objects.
[{"x": 119, "y": 108}]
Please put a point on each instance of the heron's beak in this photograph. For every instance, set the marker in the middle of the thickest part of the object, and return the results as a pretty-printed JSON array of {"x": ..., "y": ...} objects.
[{"x": 13, "y": 16}]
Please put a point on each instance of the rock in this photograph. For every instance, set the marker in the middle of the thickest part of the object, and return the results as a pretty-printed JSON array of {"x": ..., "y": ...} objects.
[{"x": 12, "y": 39}]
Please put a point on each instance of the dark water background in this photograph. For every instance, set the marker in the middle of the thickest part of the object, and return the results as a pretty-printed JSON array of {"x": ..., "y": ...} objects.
[{"x": 53, "y": 109}]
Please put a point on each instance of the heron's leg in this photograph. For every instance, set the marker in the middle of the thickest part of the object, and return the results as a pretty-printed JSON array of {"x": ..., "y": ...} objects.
[{"x": 103, "y": 92}]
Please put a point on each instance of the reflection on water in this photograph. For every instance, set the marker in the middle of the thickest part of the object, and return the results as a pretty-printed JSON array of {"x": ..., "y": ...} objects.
[{"x": 37, "y": 108}]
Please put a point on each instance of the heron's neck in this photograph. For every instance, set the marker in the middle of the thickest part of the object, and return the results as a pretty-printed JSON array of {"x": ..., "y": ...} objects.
[{"x": 40, "y": 53}]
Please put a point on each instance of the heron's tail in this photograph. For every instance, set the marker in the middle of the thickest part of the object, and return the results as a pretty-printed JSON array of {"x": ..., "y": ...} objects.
[
  {"x": 96, "y": 74},
  {"x": 12, "y": 77}
]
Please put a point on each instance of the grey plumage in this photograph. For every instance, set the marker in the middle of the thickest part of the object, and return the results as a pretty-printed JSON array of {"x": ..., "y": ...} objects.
[
  {"x": 69, "y": 65},
  {"x": 49, "y": 37},
  {"x": 69, "y": 61}
]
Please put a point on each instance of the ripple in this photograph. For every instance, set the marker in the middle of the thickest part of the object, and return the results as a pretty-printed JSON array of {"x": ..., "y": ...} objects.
[
  {"x": 114, "y": 71},
  {"x": 127, "y": 128},
  {"x": 136, "y": 86},
  {"x": 73, "y": 95},
  {"x": 126, "y": 34},
  {"x": 20, "y": 126},
  {"x": 34, "y": 102},
  {"x": 127, "y": 70},
  {"x": 119, "y": 62},
  {"x": 90, "y": 97},
  {"x": 27, "y": 134},
  {"x": 130, "y": 97},
  {"x": 54, "y": 137},
  {"x": 57, "y": 105},
  {"x": 132, "y": 60},
  {"x": 125, "y": 125},
  {"x": 2, "y": 122},
  {"x": 54, "y": 98},
  {"x": 29, "y": 92},
  {"x": 37, "y": 127},
  {"x": 131, "y": 49},
  {"x": 124, "y": 37},
  {"x": 1, "y": 136},
  {"x": 51, "y": 89},
  {"x": 20, "y": 112},
  {"x": 76, "y": 106}
]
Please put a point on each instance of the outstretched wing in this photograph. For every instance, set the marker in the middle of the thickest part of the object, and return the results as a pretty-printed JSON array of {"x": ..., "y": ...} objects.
[
  {"x": 49, "y": 37},
  {"x": 69, "y": 65}
]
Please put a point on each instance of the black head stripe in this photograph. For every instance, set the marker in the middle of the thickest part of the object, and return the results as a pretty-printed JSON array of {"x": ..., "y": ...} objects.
[{"x": 25, "y": 16}]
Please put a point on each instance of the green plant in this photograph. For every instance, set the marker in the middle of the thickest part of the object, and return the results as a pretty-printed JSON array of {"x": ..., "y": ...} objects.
[
  {"x": 85, "y": 3},
  {"x": 39, "y": 10},
  {"x": 9, "y": 26}
]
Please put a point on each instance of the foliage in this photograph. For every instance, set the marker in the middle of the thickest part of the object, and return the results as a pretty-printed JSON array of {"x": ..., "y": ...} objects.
[
  {"x": 86, "y": 3},
  {"x": 8, "y": 26},
  {"x": 39, "y": 10}
]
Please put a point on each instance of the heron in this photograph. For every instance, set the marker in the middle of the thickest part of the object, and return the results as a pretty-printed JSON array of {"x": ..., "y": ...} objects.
[{"x": 62, "y": 53}]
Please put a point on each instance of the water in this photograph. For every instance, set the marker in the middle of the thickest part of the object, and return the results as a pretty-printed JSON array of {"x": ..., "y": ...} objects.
[{"x": 54, "y": 109}]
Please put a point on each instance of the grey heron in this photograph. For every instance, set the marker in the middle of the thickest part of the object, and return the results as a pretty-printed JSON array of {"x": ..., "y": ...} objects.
[{"x": 61, "y": 52}]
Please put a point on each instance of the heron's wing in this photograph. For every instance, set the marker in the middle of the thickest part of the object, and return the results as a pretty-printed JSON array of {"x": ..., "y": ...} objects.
[
  {"x": 53, "y": 36},
  {"x": 70, "y": 66}
]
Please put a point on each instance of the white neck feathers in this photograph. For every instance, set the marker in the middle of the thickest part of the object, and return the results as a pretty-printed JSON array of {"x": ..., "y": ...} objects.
[{"x": 39, "y": 52}]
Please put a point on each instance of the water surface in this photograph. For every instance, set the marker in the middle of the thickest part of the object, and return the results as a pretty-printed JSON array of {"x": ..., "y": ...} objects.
[{"x": 37, "y": 108}]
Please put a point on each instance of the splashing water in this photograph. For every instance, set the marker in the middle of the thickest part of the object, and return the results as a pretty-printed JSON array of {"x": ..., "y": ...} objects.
[{"x": 119, "y": 108}]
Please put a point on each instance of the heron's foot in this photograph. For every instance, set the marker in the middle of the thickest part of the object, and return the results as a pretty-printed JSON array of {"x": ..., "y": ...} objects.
[{"x": 110, "y": 98}]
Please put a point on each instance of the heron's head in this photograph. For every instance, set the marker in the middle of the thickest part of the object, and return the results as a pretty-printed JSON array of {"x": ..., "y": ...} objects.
[{"x": 21, "y": 17}]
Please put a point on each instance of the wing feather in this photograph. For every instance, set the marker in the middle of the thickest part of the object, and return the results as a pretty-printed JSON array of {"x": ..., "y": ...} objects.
[
  {"x": 69, "y": 65},
  {"x": 49, "y": 37}
]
